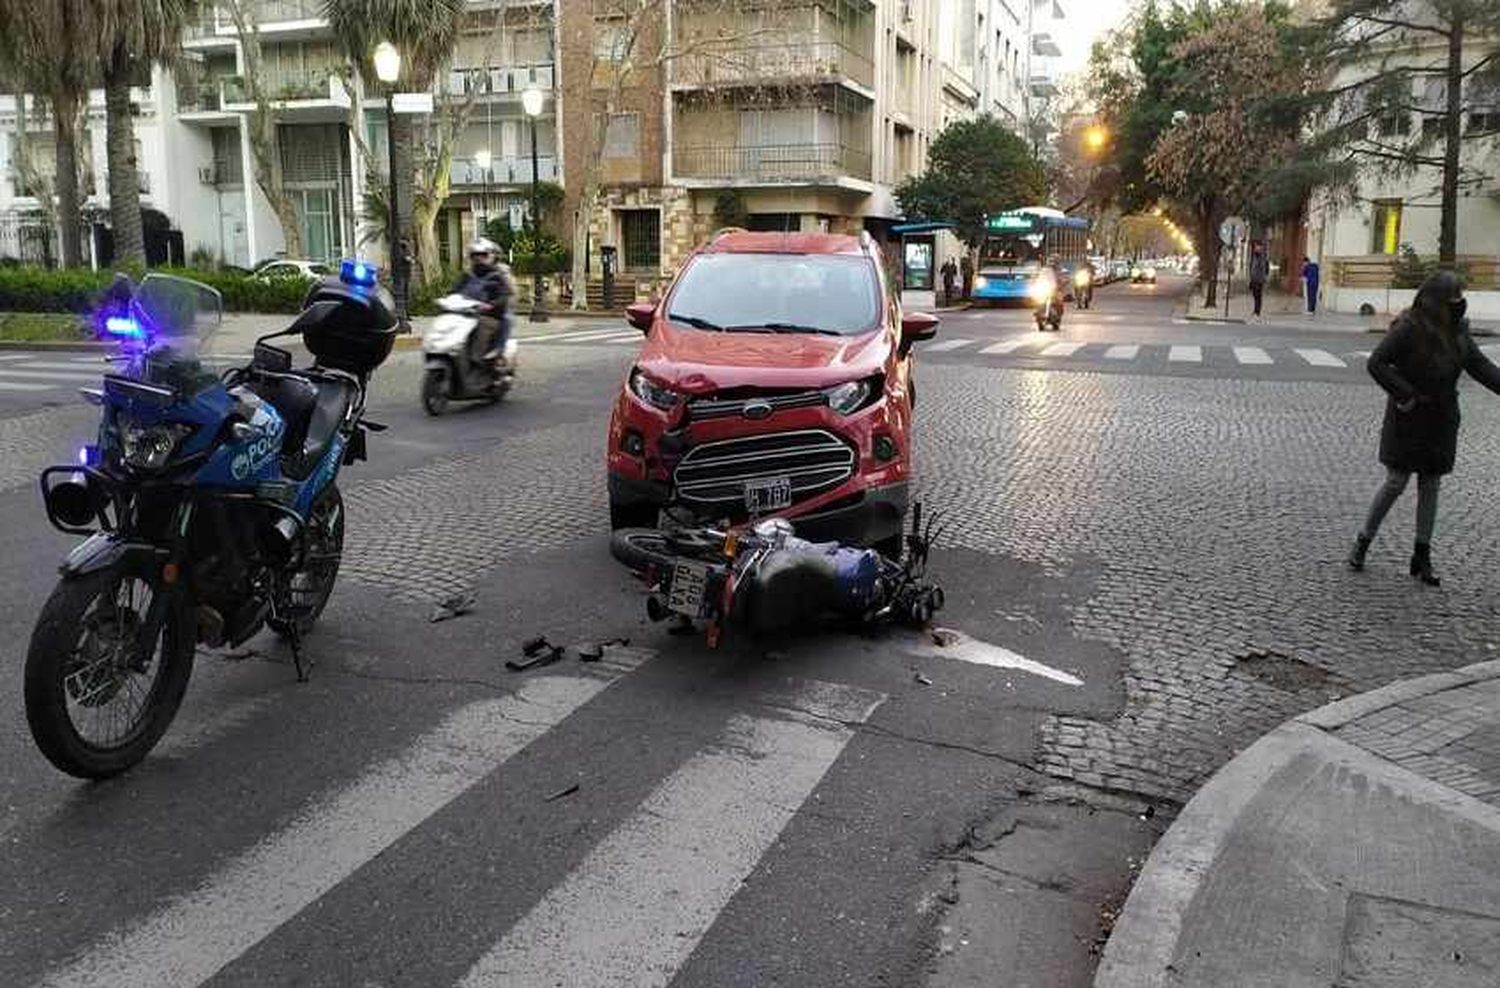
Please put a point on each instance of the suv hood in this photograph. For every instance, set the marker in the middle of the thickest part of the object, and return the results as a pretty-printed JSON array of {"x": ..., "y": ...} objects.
[{"x": 698, "y": 361}]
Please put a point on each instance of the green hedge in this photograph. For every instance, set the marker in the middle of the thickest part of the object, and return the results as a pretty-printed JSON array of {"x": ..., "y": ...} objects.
[
  {"x": 26, "y": 289},
  {"x": 34, "y": 326}
]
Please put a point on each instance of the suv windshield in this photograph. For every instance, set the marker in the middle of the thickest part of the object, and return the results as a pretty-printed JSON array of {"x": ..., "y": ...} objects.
[{"x": 811, "y": 293}]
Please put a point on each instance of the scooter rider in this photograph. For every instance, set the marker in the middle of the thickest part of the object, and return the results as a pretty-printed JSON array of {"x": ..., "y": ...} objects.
[{"x": 488, "y": 280}]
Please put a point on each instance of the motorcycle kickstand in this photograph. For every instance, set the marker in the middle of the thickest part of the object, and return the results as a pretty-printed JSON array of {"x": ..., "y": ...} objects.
[{"x": 303, "y": 666}]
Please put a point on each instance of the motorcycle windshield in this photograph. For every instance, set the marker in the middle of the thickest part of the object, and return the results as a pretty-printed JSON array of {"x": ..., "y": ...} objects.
[{"x": 160, "y": 322}]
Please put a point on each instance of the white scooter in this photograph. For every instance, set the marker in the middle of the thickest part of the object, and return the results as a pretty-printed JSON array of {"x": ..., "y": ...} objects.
[{"x": 454, "y": 368}]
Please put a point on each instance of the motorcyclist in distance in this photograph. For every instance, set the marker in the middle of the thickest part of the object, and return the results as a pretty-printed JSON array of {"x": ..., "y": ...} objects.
[{"x": 488, "y": 281}]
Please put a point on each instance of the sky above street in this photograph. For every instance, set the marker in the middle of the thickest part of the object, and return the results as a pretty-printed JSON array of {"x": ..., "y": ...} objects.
[{"x": 1088, "y": 21}]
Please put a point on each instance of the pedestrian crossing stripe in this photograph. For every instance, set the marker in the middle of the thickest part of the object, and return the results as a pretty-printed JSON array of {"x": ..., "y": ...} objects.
[
  {"x": 1008, "y": 346},
  {"x": 942, "y": 345},
  {"x": 1319, "y": 358},
  {"x": 25, "y": 373},
  {"x": 1184, "y": 354},
  {"x": 578, "y": 336},
  {"x": 1122, "y": 351},
  {"x": 23, "y": 386},
  {"x": 1252, "y": 355},
  {"x": 1062, "y": 349}
]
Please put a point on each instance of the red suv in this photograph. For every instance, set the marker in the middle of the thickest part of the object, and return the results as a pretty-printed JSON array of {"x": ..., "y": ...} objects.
[{"x": 775, "y": 380}]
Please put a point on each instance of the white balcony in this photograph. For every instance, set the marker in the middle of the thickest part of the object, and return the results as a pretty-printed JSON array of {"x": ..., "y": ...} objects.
[
  {"x": 503, "y": 171},
  {"x": 503, "y": 81},
  {"x": 1044, "y": 44}
]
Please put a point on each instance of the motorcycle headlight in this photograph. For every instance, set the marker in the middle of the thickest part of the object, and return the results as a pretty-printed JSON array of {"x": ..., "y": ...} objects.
[
  {"x": 848, "y": 398},
  {"x": 1081, "y": 278},
  {"x": 150, "y": 447},
  {"x": 653, "y": 394},
  {"x": 1042, "y": 288}
]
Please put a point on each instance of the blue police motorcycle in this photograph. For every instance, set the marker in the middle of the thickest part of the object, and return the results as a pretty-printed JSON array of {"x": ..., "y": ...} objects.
[{"x": 210, "y": 504}]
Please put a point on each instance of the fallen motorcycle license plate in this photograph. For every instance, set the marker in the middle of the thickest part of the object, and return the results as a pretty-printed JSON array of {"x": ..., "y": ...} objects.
[
  {"x": 765, "y": 496},
  {"x": 689, "y": 582}
]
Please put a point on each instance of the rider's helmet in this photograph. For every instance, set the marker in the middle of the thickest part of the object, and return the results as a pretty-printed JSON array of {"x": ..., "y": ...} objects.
[{"x": 484, "y": 252}]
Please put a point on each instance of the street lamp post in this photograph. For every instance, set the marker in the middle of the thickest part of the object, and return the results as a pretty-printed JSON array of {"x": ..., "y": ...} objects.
[
  {"x": 531, "y": 102},
  {"x": 388, "y": 71},
  {"x": 483, "y": 159}
]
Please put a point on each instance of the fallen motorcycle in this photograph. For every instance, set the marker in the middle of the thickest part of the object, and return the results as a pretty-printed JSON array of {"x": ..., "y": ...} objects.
[{"x": 764, "y": 580}]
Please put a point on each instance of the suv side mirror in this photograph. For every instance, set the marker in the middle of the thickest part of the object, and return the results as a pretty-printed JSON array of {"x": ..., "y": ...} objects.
[
  {"x": 641, "y": 315},
  {"x": 917, "y": 326}
]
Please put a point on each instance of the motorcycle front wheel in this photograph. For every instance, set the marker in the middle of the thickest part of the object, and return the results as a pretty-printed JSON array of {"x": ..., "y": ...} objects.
[
  {"x": 435, "y": 391},
  {"x": 97, "y": 701}
]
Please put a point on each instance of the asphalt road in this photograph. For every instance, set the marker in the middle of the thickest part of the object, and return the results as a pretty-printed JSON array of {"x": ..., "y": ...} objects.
[{"x": 1152, "y": 545}]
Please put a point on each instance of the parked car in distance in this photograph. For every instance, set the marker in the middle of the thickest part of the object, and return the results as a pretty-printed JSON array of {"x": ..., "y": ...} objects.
[
  {"x": 775, "y": 378},
  {"x": 287, "y": 268},
  {"x": 1119, "y": 269}
]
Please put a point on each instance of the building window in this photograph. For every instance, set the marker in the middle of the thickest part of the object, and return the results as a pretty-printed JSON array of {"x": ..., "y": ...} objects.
[
  {"x": 610, "y": 40},
  {"x": 1484, "y": 121},
  {"x": 640, "y": 229},
  {"x": 1385, "y": 227},
  {"x": 622, "y": 136}
]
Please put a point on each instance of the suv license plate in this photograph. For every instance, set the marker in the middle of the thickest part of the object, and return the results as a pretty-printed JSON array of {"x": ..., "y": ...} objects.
[
  {"x": 771, "y": 494},
  {"x": 689, "y": 581}
]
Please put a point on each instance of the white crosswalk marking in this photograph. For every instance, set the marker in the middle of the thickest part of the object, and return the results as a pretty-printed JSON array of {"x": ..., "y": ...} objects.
[
  {"x": 1122, "y": 351},
  {"x": 1062, "y": 349},
  {"x": 1252, "y": 355},
  {"x": 624, "y": 338},
  {"x": 77, "y": 367},
  {"x": 570, "y": 335},
  {"x": 614, "y": 334},
  {"x": 189, "y": 940},
  {"x": 1008, "y": 346},
  {"x": 637, "y": 906},
  {"x": 1360, "y": 355},
  {"x": 52, "y": 375},
  {"x": 1320, "y": 358},
  {"x": 1492, "y": 351},
  {"x": 942, "y": 345},
  {"x": 23, "y": 386},
  {"x": 1185, "y": 355}
]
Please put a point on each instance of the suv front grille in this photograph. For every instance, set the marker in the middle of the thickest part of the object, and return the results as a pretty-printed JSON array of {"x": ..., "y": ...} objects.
[
  {"x": 714, "y": 474},
  {"x": 717, "y": 408}
]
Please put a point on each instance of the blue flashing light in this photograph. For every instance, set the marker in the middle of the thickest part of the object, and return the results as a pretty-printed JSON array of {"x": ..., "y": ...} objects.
[
  {"x": 88, "y": 456},
  {"x": 124, "y": 326},
  {"x": 357, "y": 273}
]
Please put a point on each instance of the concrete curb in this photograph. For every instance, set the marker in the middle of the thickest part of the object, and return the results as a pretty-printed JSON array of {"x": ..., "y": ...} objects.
[{"x": 1144, "y": 943}]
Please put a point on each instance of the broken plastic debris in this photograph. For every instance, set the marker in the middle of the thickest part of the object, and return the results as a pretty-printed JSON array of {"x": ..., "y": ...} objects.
[
  {"x": 568, "y": 791},
  {"x": 452, "y": 607},
  {"x": 918, "y": 677}
]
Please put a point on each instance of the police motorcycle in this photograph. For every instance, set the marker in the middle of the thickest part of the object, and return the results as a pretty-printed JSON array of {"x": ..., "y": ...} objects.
[
  {"x": 210, "y": 506},
  {"x": 1048, "y": 299},
  {"x": 454, "y": 368}
]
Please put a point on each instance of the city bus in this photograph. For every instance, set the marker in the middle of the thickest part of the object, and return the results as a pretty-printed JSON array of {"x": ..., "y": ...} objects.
[{"x": 1016, "y": 246}]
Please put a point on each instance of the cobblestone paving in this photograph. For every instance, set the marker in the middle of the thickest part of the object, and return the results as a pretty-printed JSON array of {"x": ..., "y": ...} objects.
[
  {"x": 35, "y": 440},
  {"x": 1217, "y": 513},
  {"x": 434, "y": 530},
  {"x": 1452, "y": 737}
]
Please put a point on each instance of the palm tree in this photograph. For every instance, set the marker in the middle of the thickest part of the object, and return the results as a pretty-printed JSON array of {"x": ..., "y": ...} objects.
[
  {"x": 41, "y": 40},
  {"x": 425, "y": 32},
  {"x": 132, "y": 35}
]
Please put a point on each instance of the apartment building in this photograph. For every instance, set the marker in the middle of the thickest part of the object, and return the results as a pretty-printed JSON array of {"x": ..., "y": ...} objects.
[
  {"x": 802, "y": 114},
  {"x": 196, "y": 160}
]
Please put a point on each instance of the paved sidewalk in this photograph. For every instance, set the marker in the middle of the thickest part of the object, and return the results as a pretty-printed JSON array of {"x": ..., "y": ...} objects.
[
  {"x": 1284, "y": 311},
  {"x": 1357, "y": 845}
]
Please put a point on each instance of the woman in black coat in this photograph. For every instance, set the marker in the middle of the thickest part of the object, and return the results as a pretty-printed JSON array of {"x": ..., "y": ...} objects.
[{"x": 1418, "y": 364}]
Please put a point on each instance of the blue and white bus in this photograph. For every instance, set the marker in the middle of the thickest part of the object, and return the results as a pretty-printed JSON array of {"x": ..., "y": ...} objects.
[{"x": 1017, "y": 245}]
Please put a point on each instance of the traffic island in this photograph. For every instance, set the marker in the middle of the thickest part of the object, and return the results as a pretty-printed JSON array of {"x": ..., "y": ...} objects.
[{"x": 1358, "y": 844}]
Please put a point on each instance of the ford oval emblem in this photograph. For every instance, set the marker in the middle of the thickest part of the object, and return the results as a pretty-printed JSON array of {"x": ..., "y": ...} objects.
[{"x": 756, "y": 410}]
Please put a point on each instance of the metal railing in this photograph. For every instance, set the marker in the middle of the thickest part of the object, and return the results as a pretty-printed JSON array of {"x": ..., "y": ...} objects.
[
  {"x": 213, "y": 21},
  {"x": 504, "y": 80},
  {"x": 772, "y": 162},
  {"x": 503, "y": 171},
  {"x": 790, "y": 60},
  {"x": 281, "y": 87}
]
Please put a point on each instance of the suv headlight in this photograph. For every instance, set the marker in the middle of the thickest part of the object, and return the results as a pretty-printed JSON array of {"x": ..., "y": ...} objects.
[
  {"x": 151, "y": 447},
  {"x": 653, "y": 394},
  {"x": 848, "y": 398}
]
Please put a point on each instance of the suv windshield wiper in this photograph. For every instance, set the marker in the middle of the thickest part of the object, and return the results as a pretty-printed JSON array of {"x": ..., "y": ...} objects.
[
  {"x": 697, "y": 322},
  {"x": 793, "y": 327}
]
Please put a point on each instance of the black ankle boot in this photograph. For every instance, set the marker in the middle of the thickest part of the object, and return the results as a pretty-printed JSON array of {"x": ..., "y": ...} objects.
[
  {"x": 1357, "y": 554},
  {"x": 1421, "y": 564}
]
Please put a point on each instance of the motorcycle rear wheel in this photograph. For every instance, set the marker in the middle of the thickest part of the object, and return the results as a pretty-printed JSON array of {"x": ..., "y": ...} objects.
[
  {"x": 642, "y": 548},
  {"x": 81, "y": 661},
  {"x": 325, "y": 550}
]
